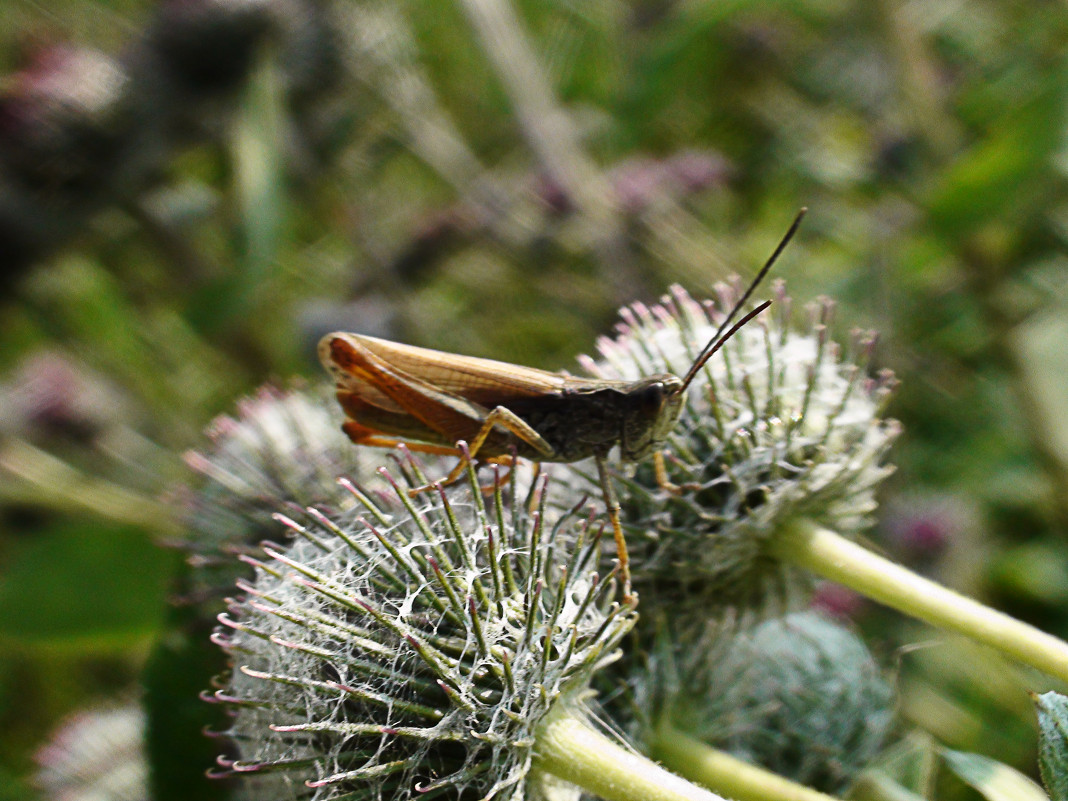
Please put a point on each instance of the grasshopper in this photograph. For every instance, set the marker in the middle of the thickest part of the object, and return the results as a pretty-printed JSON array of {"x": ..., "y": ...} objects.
[{"x": 393, "y": 393}]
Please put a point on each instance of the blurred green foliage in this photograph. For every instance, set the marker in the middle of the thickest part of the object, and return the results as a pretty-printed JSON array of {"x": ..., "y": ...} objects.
[{"x": 372, "y": 171}]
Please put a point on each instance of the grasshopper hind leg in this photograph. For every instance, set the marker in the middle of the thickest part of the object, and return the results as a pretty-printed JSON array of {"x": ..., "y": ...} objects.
[
  {"x": 486, "y": 489},
  {"x": 510, "y": 422},
  {"x": 362, "y": 435},
  {"x": 662, "y": 479}
]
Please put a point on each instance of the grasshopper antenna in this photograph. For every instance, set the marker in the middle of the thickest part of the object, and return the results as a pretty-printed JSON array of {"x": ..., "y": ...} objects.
[{"x": 719, "y": 338}]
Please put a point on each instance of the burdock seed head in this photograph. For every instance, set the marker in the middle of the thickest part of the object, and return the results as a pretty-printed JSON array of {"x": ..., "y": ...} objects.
[
  {"x": 280, "y": 452},
  {"x": 776, "y": 426},
  {"x": 799, "y": 695},
  {"x": 413, "y": 649},
  {"x": 96, "y": 753}
]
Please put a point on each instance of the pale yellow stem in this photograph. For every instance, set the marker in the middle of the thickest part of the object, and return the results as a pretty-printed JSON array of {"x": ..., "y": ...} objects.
[
  {"x": 832, "y": 556},
  {"x": 572, "y": 750},
  {"x": 726, "y": 774}
]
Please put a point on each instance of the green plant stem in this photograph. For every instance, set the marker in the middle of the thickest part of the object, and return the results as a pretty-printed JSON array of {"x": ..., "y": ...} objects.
[
  {"x": 724, "y": 773},
  {"x": 389, "y": 63},
  {"x": 545, "y": 125},
  {"x": 36, "y": 476},
  {"x": 572, "y": 750},
  {"x": 832, "y": 556},
  {"x": 552, "y": 134}
]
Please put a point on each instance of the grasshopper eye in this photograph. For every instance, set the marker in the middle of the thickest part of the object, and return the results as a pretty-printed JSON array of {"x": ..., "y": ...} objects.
[{"x": 650, "y": 398}]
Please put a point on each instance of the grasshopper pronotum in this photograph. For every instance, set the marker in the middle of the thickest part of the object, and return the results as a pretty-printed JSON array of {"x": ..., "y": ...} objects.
[{"x": 393, "y": 393}]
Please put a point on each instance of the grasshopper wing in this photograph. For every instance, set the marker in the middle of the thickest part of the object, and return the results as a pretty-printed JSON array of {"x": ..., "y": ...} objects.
[{"x": 486, "y": 382}]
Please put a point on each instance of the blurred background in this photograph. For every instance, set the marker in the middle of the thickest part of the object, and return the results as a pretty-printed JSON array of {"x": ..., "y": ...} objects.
[{"x": 193, "y": 191}]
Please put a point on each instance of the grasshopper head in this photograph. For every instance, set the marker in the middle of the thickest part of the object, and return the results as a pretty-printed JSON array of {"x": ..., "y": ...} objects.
[{"x": 653, "y": 408}]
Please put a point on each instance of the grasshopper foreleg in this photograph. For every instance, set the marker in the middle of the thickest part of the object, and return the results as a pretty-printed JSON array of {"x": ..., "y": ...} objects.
[
  {"x": 662, "y": 479},
  {"x": 612, "y": 502}
]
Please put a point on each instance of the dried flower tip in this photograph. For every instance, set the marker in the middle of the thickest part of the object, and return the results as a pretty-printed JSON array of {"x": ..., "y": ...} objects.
[
  {"x": 96, "y": 754},
  {"x": 66, "y": 118}
]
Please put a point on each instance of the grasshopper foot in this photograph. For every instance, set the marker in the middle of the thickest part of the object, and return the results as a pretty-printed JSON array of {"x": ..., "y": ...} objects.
[{"x": 662, "y": 479}]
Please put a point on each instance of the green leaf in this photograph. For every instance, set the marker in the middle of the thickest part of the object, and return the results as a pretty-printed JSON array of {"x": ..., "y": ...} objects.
[
  {"x": 14, "y": 788},
  {"x": 1043, "y": 361},
  {"x": 999, "y": 175},
  {"x": 256, "y": 149},
  {"x": 995, "y": 780},
  {"x": 86, "y": 586},
  {"x": 1053, "y": 743},
  {"x": 181, "y": 666}
]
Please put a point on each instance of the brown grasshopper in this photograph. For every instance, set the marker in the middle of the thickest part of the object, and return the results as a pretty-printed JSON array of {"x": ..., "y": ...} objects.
[{"x": 430, "y": 400}]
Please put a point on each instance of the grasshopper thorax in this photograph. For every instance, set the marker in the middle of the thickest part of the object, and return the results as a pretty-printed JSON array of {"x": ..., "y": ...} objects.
[{"x": 653, "y": 407}]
